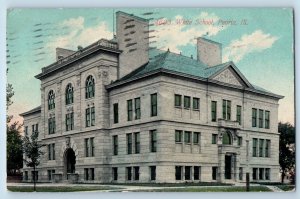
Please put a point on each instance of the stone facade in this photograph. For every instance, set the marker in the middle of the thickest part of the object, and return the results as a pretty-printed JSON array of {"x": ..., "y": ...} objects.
[{"x": 207, "y": 158}]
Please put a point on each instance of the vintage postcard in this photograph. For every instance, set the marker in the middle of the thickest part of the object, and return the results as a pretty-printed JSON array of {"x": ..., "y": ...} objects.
[{"x": 150, "y": 99}]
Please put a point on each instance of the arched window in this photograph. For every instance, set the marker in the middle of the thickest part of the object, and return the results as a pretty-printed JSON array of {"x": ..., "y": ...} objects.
[
  {"x": 89, "y": 87},
  {"x": 69, "y": 94},
  {"x": 227, "y": 138},
  {"x": 51, "y": 98}
]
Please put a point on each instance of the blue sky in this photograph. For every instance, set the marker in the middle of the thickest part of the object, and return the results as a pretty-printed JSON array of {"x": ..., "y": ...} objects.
[{"x": 262, "y": 49}]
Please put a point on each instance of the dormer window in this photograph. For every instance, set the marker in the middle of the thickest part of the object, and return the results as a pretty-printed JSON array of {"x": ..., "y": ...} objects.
[{"x": 51, "y": 100}]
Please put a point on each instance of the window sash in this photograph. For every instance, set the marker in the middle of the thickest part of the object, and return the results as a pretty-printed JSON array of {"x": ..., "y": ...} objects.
[
  {"x": 214, "y": 139},
  {"x": 239, "y": 114},
  {"x": 116, "y": 113},
  {"x": 261, "y": 118},
  {"x": 187, "y": 102},
  {"x": 86, "y": 144},
  {"x": 153, "y": 140},
  {"x": 152, "y": 172},
  {"x": 137, "y": 142},
  {"x": 196, "y": 137},
  {"x": 213, "y": 111},
  {"x": 115, "y": 144},
  {"x": 196, "y": 103},
  {"x": 261, "y": 146},
  {"x": 254, "y": 150},
  {"x": 178, "y": 172},
  {"x": 129, "y": 143},
  {"x": 91, "y": 147},
  {"x": 267, "y": 148},
  {"x": 92, "y": 116},
  {"x": 187, "y": 137},
  {"x": 87, "y": 117},
  {"x": 154, "y": 104},
  {"x": 196, "y": 173},
  {"x": 129, "y": 110},
  {"x": 178, "y": 136},
  {"x": 254, "y": 117},
  {"x": 267, "y": 119},
  {"x": 178, "y": 100},
  {"x": 137, "y": 106}
]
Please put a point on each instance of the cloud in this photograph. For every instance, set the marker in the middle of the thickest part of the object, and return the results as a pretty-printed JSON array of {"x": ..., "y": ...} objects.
[
  {"x": 79, "y": 35},
  {"x": 248, "y": 43},
  {"x": 174, "y": 35}
]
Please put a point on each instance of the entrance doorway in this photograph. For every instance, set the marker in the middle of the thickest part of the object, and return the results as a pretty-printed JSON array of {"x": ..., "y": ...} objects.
[
  {"x": 70, "y": 161},
  {"x": 228, "y": 166}
]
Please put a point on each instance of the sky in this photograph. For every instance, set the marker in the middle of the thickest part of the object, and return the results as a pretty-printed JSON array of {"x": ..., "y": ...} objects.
[{"x": 258, "y": 40}]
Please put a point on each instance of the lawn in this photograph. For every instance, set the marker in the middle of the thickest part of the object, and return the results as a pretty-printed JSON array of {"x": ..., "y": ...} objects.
[
  {"x": 286, "y": 187},
  {"x": 210, "y": 189},
  {"x": 59, "y": 188}
]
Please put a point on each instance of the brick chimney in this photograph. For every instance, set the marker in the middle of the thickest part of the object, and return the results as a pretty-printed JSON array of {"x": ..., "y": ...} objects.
[
  {"x": 133, "y": 39},
  {"x": 209, "y": 52}
]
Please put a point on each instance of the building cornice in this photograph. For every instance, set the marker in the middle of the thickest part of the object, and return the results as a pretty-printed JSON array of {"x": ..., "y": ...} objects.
[{"x": 102, "y": 44}]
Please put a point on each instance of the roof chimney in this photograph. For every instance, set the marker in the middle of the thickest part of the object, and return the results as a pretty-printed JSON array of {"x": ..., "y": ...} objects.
[{"x": 209, "y": 52}]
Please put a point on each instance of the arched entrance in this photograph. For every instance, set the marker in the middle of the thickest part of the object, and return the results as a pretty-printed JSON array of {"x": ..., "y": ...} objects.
[{"x": 70, "y": 161}]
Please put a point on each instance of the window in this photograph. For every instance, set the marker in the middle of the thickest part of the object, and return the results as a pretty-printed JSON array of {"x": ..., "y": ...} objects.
[
  {"x": 196, "y": 137},
  {"x": 35, "y": 175},
  {"x": 50, "y": 172},
  {"x": 33, "y": 129},
  {"x": 129, "y": 143},
  {"x": 254, "y": 117},
  {"x": 25, "y": 175},
  {"x": 69, "y": 94},
  {"x": 261, "y": 118},
  {"x": 240, "y": 141},
  {"x": 136, "y": 173},
  {"x": 196, "y": 103},
  {"x": 51, "y": 100},
  {"x": 213, "y": 111},
  {"x": 178, "y": 136},
  {"x": 115, "y": 173},
  {"x": 254, "y": 152},
  {"x": 240, "y": 173},
  {"x": 154, "y": 104},
  {"x": 261, "y": 173},
  {"x": 137, "y": 142},
  {"x": 261, "y": 147},
  {"x": 254, "y": 173},
  {"x": 187, "y": 137},
  {"x": 137, "y": 108},
  {"x": 51, "y": 125},
  {"x": 69, "y": 121},
  {"x": 128, "y": 173},
  {"x": 187, "y": 102},
  {"x": 36, "y": 127},
  {"x": 116, "y": 113},
  {"x": 51, "y": 151},
  {"x": 267, "y": 148},
  {"x": 239, "y": 114},
  {"x": 187, "y": 173},
  {"x": 152, "y": 172},
  {"x": 177, "y": 100},
  {"x": 26, "y": 130},
  {"x": 89, "y": 174},
  {"x": 226, "y": 109},
  {"x": 267, "y": 174},
  {"x": 90, "y": 116},
  {"x": 178, "y": 172},
  {"x": 153, "y": 141},
  {"x": 197, "y": 172},
  {"x": 115, "y": 144},
  {"x": 214, "y": 173},
  {"x": 227, "y": 138},
  {"x": 214, "y": 138},
  {"x": 267, "y": 119},
  {"x": 89, "y": 87},
  {"x": 89, "y": 147},
  {"x": 129, "y": 110}
]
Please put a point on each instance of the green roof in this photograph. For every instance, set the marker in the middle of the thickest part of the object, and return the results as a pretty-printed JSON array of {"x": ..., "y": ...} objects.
[{"x": 165, "y": 60}]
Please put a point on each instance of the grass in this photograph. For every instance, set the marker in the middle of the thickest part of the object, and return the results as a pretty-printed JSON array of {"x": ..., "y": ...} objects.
[
  {"x": 58, "y": 188},
  {"x": 286, "y": 187},
  {"x": 210, "y": 189},
  {"x": 172, "y": 184}
]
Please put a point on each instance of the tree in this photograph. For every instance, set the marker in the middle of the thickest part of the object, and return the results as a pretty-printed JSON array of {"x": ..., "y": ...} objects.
[
  {"x": 286, "y": 148},
  {"x": 32, "y": 150},
  {"x": 14, "y": 151},
  {"x": 14, "y": 160}
]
